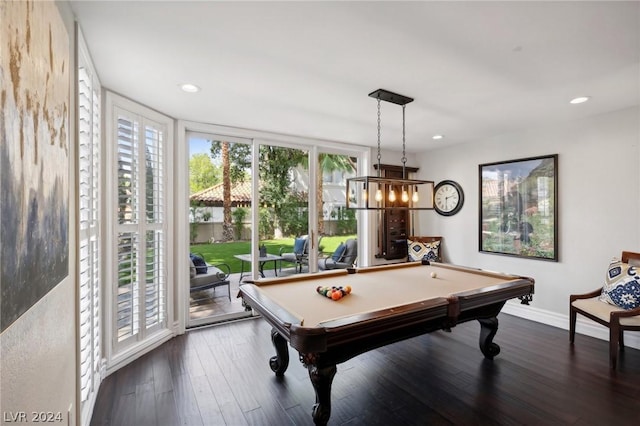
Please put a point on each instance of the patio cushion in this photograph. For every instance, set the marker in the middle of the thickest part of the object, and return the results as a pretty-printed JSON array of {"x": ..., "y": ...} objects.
[
  {"x": 290, "y": 257},
  {"x": 298, "y": 245},
  {"x": 192, "y": 269},
  {"x": 200, "y": 264},
  {"x": 351, "y": 252},
  {"x": 213, "y": 276},
  {"x": 339, "y": 252},
  {"x": 603, "y": 311}
]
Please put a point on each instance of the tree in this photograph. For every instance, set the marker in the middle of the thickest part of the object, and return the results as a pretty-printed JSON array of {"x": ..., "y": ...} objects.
[
  {"x": 275, "y": 174},
  {"x": 239, "y": 215},
  {"x": 330, "y": 163},
  {"x": 276, "y": 164},
  {"x": 203, "y": 173},
  {"x": 236, "y": 159},
  {"x": 294, "y": 213},
  {"x": 239, "y": 158},
  {"x": 227, "y": 226}
]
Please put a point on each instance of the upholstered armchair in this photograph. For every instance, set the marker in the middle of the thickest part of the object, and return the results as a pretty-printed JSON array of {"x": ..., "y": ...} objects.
[
  {"x": 299, "y": 254},
  {"x": 204, "y": 276},
  {"x": 622, "y": 287},
  {"x": 344, "y": 256}
]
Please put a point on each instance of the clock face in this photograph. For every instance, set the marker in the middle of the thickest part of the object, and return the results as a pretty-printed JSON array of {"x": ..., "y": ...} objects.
[{"x": 448, "y": 198}]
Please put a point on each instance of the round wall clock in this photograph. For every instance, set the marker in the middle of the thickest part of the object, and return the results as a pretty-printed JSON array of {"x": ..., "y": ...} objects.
[{"x": 448, "y": 198}]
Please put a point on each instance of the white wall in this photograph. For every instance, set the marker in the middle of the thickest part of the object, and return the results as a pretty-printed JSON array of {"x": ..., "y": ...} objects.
[
  {"x": 38, "y": 351},
  {"x": 599, "y": 207}
]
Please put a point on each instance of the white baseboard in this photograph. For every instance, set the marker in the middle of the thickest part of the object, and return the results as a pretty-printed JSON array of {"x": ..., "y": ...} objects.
[
  {"x": 583, "y": 325},
  {"x": 135, "y": 351},
  {"x": 178, "y": 328}
]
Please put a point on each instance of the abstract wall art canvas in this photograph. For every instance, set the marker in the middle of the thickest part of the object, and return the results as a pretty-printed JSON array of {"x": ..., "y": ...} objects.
[{"x": 34, "y": 154}]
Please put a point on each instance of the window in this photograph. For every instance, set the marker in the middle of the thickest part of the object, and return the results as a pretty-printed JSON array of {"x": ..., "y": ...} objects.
[
  {"x": 89, "y": 230},
  {"x": 138, "y": 198}
]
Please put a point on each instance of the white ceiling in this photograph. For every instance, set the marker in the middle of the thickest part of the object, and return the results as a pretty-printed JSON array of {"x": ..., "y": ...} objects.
[{"x": 475, "y": 69}]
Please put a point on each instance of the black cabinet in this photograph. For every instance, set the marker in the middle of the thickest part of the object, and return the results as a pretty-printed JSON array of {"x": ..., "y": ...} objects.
[{"x": 395, "y": 223}]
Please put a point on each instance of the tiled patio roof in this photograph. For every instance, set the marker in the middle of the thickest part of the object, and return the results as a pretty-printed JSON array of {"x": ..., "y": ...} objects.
[
  {"x": 213, "y": 196},
  {"x": 241, "y": 195}
]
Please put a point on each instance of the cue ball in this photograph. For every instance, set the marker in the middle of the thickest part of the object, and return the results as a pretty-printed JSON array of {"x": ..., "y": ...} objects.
[{"x": 433, "y": 275}]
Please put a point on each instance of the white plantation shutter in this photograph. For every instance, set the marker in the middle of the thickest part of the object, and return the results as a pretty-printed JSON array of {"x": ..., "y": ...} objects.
[
  {"x": 127, "y": 302},
  {"x": 155, "y": 282},
  {"x": 128, "y": 288},
  {"x": 89, "y": 145},
  {"x": 140, "y": 294},
  {"x": 155, "y": 294}
]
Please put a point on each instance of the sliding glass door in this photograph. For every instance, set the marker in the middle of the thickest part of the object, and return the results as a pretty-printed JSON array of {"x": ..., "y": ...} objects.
[
  {"x": 335, "y": 223},
  {"x": 220, "y": 182},
  {"x": 284, "y": 236},
  {"x": 261, "y": 208}
]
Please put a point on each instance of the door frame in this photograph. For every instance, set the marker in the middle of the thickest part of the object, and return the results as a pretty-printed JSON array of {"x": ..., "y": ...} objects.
[{"x": 181, "y": 186}]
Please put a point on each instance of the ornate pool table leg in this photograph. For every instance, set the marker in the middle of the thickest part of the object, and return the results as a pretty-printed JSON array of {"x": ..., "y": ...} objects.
[
  {"x": 488, "y": 330},
  {"x": 280, "y": 362},
  {"x": 321, "y": 379}
]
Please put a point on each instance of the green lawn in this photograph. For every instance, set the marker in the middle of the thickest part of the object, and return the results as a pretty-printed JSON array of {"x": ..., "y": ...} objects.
[{"x": 223, "y": 252}]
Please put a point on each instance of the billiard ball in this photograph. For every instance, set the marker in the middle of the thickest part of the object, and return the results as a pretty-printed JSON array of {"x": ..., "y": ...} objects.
[{"x": 434, "y": 275}]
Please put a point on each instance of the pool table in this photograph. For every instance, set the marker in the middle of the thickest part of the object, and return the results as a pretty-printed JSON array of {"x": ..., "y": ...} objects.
[{"x": 387, "y": 304}]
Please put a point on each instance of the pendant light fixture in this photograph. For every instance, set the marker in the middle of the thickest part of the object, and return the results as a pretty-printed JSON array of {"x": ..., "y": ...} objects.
[{"x": 367, "y": 192}]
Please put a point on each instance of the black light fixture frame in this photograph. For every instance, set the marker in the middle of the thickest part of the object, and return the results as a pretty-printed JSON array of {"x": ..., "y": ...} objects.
[{"x": 361, "y": 190}]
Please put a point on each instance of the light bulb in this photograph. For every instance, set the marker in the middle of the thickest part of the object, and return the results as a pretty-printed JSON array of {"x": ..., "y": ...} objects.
[
  {"x": 405, "y": 195},
  {"x": 364, "y": 195},
  {"x": 392, "y": 195},
  {"x": 379, "y": 194},
  {"x": 415, "y": 197}
]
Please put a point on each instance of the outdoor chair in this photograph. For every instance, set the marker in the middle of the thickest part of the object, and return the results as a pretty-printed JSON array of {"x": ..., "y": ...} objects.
[
  {"x": 344, "y": 256},
  {"x": 204, "y": 276},
  {"x": 300, "y": 251},
  {"x": 616, "y": 305}
]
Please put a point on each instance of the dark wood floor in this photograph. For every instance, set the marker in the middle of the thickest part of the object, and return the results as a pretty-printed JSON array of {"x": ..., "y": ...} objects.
[{"x": 220, "y": 376}]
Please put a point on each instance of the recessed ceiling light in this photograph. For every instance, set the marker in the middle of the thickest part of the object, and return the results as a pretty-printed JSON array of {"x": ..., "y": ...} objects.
[
  {"x": 436, "y": 137},
  {"x": 189, "y": 88},
  {"x": 579, "y": 100}
]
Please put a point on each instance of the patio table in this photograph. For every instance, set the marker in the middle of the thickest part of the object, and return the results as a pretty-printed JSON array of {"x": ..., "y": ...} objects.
[{"x": 261, "y": 262}]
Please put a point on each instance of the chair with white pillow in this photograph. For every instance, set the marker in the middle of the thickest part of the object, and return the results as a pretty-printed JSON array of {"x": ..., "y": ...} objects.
[{"x": 616, "y": 305}]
